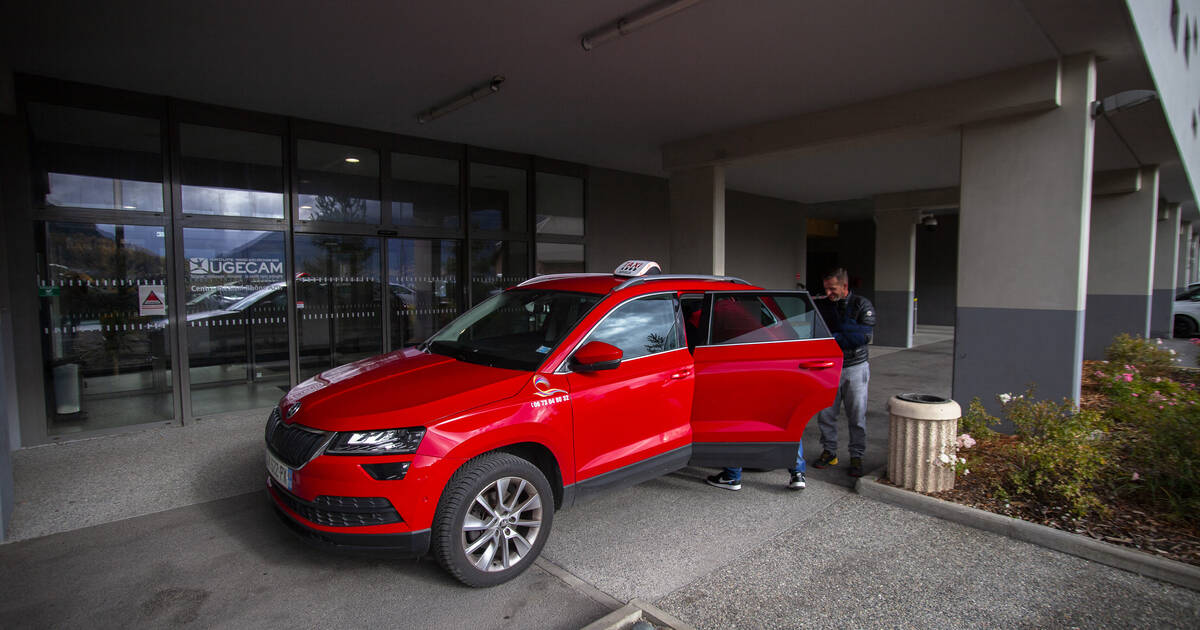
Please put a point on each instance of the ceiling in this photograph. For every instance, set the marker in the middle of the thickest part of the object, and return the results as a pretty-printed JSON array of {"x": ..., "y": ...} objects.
[{"x": 718, "y": 65}]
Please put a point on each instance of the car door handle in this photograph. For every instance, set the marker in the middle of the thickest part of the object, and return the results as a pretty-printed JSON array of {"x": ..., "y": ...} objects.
[
  {"x": 681, "y": 374},
  {"x": 816, "y": 364}
]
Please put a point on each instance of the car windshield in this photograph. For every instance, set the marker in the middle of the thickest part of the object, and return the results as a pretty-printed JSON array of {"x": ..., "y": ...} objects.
[{"x": 515, "y": 329}]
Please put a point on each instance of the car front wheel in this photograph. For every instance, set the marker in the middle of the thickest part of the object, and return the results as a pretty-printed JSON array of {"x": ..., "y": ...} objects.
[
  {"x": 1185, "y": 326},
  {"x": 493, "y": 519}
]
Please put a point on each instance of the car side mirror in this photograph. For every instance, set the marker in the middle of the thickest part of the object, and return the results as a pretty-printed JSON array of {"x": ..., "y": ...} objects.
[{"x": 595, "y": 356}]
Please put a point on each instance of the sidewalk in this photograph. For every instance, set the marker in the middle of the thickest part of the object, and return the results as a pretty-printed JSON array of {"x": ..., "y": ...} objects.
[{"x": 763, "y": 557}]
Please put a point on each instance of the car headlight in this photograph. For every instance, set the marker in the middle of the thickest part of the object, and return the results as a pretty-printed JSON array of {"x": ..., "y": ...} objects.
[{"x": 383, "y": 442}]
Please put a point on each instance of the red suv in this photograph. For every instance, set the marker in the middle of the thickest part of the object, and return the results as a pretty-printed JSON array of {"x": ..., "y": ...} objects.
[{"x": 467, "y": 444}]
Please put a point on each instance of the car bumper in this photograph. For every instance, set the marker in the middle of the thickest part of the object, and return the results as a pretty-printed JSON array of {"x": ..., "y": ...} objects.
[{"x": 405, "y": 544}]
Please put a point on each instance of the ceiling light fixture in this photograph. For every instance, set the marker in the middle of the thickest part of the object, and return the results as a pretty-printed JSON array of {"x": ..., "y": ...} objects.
[
  {"x": 487, "y": 89},
  {"x": 350, "y": 159},
  {"x": 632, "y": 22},
  {"x": 1122, "y": 101}
]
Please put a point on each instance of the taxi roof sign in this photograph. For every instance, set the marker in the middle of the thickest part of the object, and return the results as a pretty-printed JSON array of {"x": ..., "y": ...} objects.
[{"x": 637, "y": 268}]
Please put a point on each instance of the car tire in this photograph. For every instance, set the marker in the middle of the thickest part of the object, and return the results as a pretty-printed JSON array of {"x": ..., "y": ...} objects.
[
  {"x": 1185, "y": 327},
  {"x": 492, "y": 520}
]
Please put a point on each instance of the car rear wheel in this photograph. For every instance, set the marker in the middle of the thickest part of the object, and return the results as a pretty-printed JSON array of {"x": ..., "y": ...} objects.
[
  {"x": 1185, "y": 326},
  {"x": 493, "y": 519}
]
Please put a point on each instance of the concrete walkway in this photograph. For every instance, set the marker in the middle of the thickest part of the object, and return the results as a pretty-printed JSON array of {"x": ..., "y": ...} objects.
[{"x": 764, "y": 557}]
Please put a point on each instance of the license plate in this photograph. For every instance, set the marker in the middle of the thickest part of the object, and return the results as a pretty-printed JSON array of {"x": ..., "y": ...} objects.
[{"x": 279, "y": 471}]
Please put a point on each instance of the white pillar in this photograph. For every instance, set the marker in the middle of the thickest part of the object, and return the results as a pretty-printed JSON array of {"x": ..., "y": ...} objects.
[
  {"x": 1166, "y": 253},
  {"x": 698, "y": 221},
  {"x": 1121, "y": 265},
  {"x": 895, "y": 274},
  {"x": 1185, "y": 255},
  {"x": 1023, "y": 247}
]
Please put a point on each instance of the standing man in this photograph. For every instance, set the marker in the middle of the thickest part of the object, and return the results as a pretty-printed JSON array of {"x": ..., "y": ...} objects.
[{"x": 851, "y": 319}]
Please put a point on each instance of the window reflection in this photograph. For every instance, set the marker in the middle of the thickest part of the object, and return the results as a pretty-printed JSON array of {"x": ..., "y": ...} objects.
[
  {"x": 92, "y": 159},
  {"x": 236, "y": 318},
  {"x": 497, "y": 265},
  {"x": 338, "y": 183},
  {"x": 497, "y": 198},
  {"x": 423, "y": 279},
  {"x": 642, "y": 327},
  {"x": 338, "y": 300},
  {"x": 231, "y": 173},
  {"x": 559, "y": 258},
  {"x": 106, "y": 355},
  {"x": 424, "y": 191},
  {"x": 559, "y": 204},
  {"x": 757, "y": 319}
]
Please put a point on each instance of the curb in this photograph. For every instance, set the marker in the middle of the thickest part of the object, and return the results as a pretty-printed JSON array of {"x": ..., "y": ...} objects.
[
  {"x": 634, "y": 611},
  {"x": 1175, "y": 572}
]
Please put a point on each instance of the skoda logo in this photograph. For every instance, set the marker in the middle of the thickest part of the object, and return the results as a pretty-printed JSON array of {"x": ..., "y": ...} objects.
[{"x": 292, "y": 410}]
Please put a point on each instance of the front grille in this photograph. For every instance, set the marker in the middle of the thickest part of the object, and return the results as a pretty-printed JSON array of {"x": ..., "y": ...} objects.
[
  {"x": 292, "y": 444},
  {"x": 341, "y": 511}
]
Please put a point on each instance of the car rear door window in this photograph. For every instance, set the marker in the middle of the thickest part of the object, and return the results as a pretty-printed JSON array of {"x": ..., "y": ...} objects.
[{"x": 758, "y": 318}]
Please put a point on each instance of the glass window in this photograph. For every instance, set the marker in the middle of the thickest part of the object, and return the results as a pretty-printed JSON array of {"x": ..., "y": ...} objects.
[
  {"x": 338, "y": 183},
  {"x": 338, "y": 300},
  {"x": 497, "y": 198},
  {"x": 559, "y": 204},
  {"x": 104, "y": 294},
  {"x": 515, "y": 329},
  {"x": 424, "y": 191},
  {"x": 760, "y": 318},
  {"x": 423, "y": 279},
  {"x": 92, "y": 159},
  {"x": 559, "y": 258},
  {"x": 236, "y": 318},
  {"x": 496, "y": 266},
  {"x": 231, "y": 173},
  {"x": 641, "y": 327}
]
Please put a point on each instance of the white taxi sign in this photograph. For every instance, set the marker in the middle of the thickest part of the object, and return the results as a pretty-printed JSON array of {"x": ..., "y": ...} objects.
[{"x": 636, "y": 268}]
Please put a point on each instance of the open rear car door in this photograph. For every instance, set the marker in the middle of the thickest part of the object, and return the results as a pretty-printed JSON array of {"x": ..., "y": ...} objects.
[{"x": 765, "y": 364}]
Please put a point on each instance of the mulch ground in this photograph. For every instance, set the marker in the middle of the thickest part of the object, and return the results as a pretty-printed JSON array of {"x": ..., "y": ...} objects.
[{"x": 1125, "y": 523}]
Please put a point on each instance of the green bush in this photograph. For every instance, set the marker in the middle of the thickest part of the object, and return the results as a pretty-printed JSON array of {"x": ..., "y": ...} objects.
[
  {"x": 977, "y": 421},
  {"x": 1061, "y": 455},
  {"x": 1148, "y": 357}
]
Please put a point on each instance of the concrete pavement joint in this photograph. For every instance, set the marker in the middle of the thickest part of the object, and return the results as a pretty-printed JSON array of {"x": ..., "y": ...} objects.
[
  {"x": 577, "y": 583},
  {"x": 1171, "y": 571}
]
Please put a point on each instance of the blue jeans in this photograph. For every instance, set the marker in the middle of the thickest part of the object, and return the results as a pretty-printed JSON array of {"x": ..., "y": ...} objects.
[
  {"x": 798, "y": 467},
  {"x": 852, "y": 394}
]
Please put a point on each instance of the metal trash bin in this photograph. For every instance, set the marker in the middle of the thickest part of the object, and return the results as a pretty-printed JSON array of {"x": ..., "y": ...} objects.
[{"x": 921, "y": 428}]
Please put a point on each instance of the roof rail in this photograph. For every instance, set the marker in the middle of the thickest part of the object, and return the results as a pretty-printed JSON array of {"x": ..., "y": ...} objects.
[
  {"x": 552, "y": 276},
  {"x": 640, "y": 279}
]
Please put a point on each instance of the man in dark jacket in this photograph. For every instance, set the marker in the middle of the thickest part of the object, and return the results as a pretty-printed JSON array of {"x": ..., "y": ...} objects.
[{"x": 851, "y": 319}]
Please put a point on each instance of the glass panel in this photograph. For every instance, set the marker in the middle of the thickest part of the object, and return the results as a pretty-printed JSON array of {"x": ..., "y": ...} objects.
[
  {"x": 559, "y": 258},
  {"x": 338, "y": 183},
  {"x": 497, "y": 198},
  {"x": 92, "y": 159},
  {"x": 642, "y": 327},
  {"x": 559, "y": 204},
  {"x": 424, "y": 191},
  {"x": 103, "y": 294},
  {"x": 338, "y": 300},
  {"x": 423, "y": 279},
  {"x": 231, "y": 173},
  {"x": 754, "y": 319},
  {"x": 497, "y": 265},
  {"x": 236, "y": 319}
]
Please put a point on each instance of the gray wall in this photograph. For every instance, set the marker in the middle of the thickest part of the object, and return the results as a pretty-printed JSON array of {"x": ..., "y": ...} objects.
[
  {"x": 853, "y": 248},
  {"x": 937, "y": 272},
  {"x": 7, "y": 398},
  {"x": 626, "y": 219},
  {"x": 763, "y": 239}
]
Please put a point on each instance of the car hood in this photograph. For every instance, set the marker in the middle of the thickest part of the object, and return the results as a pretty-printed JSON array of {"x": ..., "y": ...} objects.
[{"x": 401, "y": 389}]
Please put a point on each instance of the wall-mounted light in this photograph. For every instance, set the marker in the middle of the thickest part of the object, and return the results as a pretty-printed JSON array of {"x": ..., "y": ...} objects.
[
  {"x": 1122, "y": 101},
  {"x": 928, "y": 220},
  {"x": 632, "y": 22},
  {"x": 350, "y": 159},
  {"x": 487, "y": 89}
]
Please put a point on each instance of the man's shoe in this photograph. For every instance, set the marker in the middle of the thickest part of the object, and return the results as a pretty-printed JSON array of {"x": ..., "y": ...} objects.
[
  {"x": 855, "y": 467},
  {"x": 825, "y": 460},
  {"x": 797, "y": 481},
  {"x": 721, "y": 481}
]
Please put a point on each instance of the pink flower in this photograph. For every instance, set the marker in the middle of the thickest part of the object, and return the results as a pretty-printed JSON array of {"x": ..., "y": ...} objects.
[
  {"x": 1136, "y": 476},
  {"x": 1160, "y": 406},
  {"x": 1135, "y": 394},
  {"x": 1128, "y": 377}
]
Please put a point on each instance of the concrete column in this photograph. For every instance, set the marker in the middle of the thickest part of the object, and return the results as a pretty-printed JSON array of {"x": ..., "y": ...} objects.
[
  {"x": 1185, "y": 255},
  {"x": 895, "y": 273},
  {"x": 698, "y": 220},
  {"x": 1023, "y": 247},
  {"x": 1121, "y": 265},
  {"x": 1166, "y": 253}
]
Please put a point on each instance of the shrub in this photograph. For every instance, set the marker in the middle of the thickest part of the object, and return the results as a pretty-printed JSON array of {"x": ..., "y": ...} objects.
[
  {"x": 977, "y": 421},
  {"x": 1148, "y": 357}
]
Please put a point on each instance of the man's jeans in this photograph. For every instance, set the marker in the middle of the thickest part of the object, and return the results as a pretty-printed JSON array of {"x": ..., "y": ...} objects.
[
  {"x": 798, "y": 467},
  {"x": 852, "y": 393}
]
